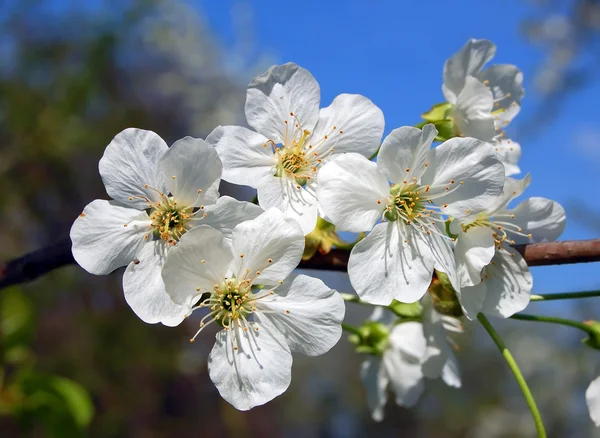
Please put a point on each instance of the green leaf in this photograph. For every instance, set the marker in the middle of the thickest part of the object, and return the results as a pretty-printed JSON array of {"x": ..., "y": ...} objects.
[
  {"x": 58, "y": 402},
  {"x": 76, "y": 398}
]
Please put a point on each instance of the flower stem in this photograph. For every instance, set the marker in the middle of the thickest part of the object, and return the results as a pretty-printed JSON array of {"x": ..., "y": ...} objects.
[
  {"x": 512, "y": 364},
  {"x": 566, "y": 296},
  {"x": 351, "y": 329},
  {"x": 554, "y": 320}
]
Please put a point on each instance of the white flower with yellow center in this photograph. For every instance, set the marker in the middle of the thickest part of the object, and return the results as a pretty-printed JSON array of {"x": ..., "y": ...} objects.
[
  {"x": 293, "y": 138},
  {"x": 397, "y": 258},
  {"x": 159, "y": 194},
  {"x": 494, "y": 278},
  {"x": 264, "y": 312},
  {"x": 414, "y": 351}
]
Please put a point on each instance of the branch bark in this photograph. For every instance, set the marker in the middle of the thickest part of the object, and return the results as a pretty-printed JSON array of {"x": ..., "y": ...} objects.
[
  {"x": 535, "y": 254},
  {"x": 35, "y": 264}
]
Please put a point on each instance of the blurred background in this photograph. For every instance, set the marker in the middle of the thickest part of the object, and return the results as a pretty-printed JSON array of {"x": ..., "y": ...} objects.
[{"x": 76, "y": 361}]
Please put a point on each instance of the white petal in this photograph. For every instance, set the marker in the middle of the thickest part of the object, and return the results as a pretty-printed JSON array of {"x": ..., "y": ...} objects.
[
  {"x": 506, "y": 83},
  {"x": 509, "y": 153},
  {"x": 441, "y": 249},
  {"x": 255, "y": 372},
  {"x": 508, "y": 284},
  {"x": 474, "y": 249},
  {"x": 436, "y": 352},
  {"x": 475, "y": 164},
  {"x": 352, "y": 192},
  {"x": 144, "y": 288},
  {"x": 130, "y": 162},
  {"x": 513, "y": 188},
  {"x": 544, "y": 219},
  {"x": 102, "y": 242},
  {"x": 473, "y": 111},
  {"x": 227, "y": 213},
  {"x": 276, "y": 94},
  {"x": 592, "y": 398},
  {"x": 247, "y": 156},
  {"x": 307, "y": 312},
  {"x": 352, "y": 123},
  {"x": 200, "y": 260},
  {"x": 284, "y": 194},
  {"x": 190, "y": 165},
  {"x": 375, "y": 381},
  {"x": 382, "y": 267},
  {"x": 471, "y": 299},
  {"x": 402, "y": 362},
  {"x": 271, "y": 236},
  {"x": 466, "y": 62},
  {"x": 404, "y": 153},
  {"x": 451, "y": 372}
]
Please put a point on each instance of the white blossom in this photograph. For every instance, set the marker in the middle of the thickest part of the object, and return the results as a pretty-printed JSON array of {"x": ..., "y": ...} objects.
[
  {"x": 292, "y": 139},
  {"x": 484, "y": 100},
  {"x": 504, "y": 81},
  {"x": 494, "y": 278},
  {"x": 159, "y": 193},
  {"x": 397, "y": 258},
  {"x": 415, "y": 351},
  {"x": 251, "y": 360}
]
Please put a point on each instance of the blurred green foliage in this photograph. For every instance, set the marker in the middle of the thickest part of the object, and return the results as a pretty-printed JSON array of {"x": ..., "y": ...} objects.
[{"x": 60, "y": 405}]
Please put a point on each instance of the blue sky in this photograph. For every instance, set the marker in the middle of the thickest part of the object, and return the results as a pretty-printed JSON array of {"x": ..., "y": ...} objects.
[{"x": 393, "y": 52}]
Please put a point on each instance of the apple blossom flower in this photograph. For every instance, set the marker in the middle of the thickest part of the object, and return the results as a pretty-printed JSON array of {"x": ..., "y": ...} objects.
[
  {"x": 250, "y": 363},
  {"x": 494, "y": 278},
  {"x": 592, "y": 399},
  {"x": 159, "y": 193},
  {"x": 397, "y": 258},
  {"x": 414, "y": 351},
  {"x": 293, "y": 138}
]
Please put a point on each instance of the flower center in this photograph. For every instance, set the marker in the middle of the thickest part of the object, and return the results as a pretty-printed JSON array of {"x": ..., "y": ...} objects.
[
  {"x": 404, "y": 203},
  {"x": 294, "y": 164},
  {"x": 413, "y": 204},
  {"x": 169, "y": 220}
]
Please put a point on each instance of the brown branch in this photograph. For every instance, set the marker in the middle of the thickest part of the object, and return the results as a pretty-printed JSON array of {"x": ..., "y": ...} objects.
[
  {"x": 40, "y": 262},
  {"x": 536, "y": 254}
]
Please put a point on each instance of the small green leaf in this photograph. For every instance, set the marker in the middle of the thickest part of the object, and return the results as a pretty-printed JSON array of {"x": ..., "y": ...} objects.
[{"x": 76, "y": 399}]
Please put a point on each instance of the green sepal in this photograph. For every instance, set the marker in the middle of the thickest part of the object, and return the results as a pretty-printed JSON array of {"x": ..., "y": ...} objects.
[
  {"x": 372, "y": 338},
  {"x": 593, "y": 340},
  {"x": 446, "y": 130},
  {"x": 440, "y": 111},
  {"x": 413, "y": 310},
  {"x": 444, "y": 296}
]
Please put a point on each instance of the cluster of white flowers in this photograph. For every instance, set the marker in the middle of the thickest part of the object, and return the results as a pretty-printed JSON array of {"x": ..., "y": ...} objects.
[{"x": 430, "y": 212}]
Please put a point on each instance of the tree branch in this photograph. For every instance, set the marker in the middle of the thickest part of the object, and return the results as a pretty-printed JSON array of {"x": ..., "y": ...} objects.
[
  {"x": 35, "y": 264},
  {"x": 536, "y": 254}
]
